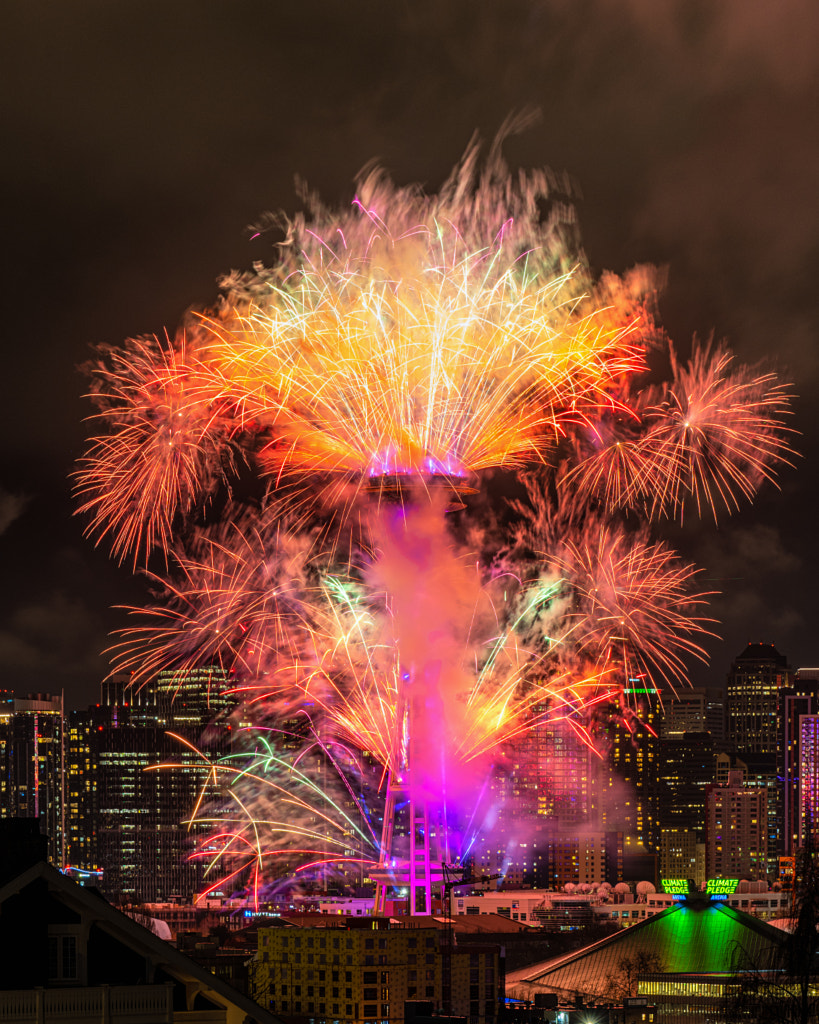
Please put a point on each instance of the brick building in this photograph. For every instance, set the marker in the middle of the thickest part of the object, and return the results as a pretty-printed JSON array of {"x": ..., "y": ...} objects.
[{"x": 363, "y": 971}]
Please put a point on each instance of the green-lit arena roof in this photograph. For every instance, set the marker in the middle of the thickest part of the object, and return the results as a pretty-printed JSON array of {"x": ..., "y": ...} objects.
[{"x": 695, "y": 937}]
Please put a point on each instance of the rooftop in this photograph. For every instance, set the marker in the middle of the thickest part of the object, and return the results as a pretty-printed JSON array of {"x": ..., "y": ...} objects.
[{"x": 694, "y": 937}]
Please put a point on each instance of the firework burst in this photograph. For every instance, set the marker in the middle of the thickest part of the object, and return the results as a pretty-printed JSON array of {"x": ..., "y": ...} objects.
[
  {"x": 708, "y": 438},
  {"x": 634, "y": 604},
  {"x": 166, "y": 450},
  {"x": 279, "y": 806}
]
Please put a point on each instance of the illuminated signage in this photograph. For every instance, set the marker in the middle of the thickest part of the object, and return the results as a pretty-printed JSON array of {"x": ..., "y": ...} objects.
[
  {"x": 684, "y": 888},
  {"x": 676, "y": 886},
  {"x": 721, "y": 887}
]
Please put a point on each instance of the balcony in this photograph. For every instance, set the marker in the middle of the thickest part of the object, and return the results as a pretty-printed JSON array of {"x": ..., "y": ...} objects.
[
  {"x": 131, "y": 1004},
  {"x": 107, "y": 1004}
]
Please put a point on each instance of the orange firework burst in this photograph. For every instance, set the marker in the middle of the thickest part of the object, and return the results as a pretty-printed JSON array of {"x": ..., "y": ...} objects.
[
  {"x": 708, "y": 437},
  {"x": 411, "y": 359},
  {"x": 632, "y": 604},
  {"x": 166, "y": 449},
  {"x": 411, "y": 335}
]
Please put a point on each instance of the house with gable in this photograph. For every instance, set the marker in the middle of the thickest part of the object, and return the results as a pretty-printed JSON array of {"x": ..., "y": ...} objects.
[{"x": 68, "y": 955}]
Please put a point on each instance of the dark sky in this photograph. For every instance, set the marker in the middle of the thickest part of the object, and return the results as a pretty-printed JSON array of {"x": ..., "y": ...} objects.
[{"x": 140, "y": 139}]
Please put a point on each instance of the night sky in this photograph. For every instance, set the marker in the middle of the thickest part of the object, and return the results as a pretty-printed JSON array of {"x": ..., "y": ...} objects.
[{"x": 140, "y": 140}]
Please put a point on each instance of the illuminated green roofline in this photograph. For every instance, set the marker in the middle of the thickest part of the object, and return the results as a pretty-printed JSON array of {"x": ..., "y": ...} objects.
[{"x": 693, "y": 937}]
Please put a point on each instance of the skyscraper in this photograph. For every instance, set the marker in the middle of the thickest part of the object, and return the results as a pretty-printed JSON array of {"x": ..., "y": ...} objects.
[
  {"x": 685, "y": 770},
  {"x": 685, "y": 711},
  {"x": 31, "y": 764},
  {"x": 795, "y": 701},
  {"x": 628, "y": 777},
  {"x": 757, "y": 675},
  {"x": 808, "y": 822},
  {"x": 127, "y": 817},
  {"x": 758, "y": 678}
]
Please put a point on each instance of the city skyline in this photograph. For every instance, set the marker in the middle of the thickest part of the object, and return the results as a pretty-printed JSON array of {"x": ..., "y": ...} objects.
[{"x": 657, "y": 805}]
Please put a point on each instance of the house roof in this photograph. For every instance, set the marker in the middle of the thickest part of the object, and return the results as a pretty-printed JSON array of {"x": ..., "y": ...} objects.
[
  {"x": 695, "y": 937},
  {"x": 90, "y": 905}
]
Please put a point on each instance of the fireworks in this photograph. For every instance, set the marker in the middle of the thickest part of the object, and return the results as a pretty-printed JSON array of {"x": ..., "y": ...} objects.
[
  {"x": 395, "y": 352},
  {"x": 707, "y": 438},
  {"x": 360, "y": 369},
  {"x": 263, "y": 808},
  {"x": 163, "y": 452},
  {"x": 634, "y": 603}
]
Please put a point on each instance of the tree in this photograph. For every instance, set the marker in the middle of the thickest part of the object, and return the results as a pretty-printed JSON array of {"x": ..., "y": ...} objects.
[
  {"x": 623, "y": 982},
  {"x": 781, "y": 984}
]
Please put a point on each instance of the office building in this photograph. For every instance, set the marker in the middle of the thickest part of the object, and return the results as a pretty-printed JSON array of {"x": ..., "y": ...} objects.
[
  {"x": 132, "y": 783},
  {"x": 682, "y": 854},
  {"x": 808, "y": 822},
  {"x": 685, "y": 770},
  {"x": 684, "y": 711},
  {"x": 627, "y": 779},
  {"x": 32, "y": 763},
  {"x": 754, "y": 682},
  {"x": 795, "y": 701}
]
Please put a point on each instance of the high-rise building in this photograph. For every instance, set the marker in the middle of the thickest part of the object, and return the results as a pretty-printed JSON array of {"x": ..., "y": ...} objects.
[
  {"x": 195, "y": 700},
  {"x": 795, "y": 701},
  {"x": 737, "y": 829},
  {"x": 127, "y": 813},
  {"x": 685, "y": 770},
  {"x": 31, "y": 764},
  {"x": 760, "y": 770},
  {"x": 627, "y": 779},
  {"x": 548, "y": 778},
  {"x": 685, "y": 711},
  {"x": 754, "y": 682},
  {"x": 682, "y": 854},
  {"x": 757, "y": 771},
  {"x": 758, "y": 678},
  {"x": 563, "y": 771},
  {"x": 698, "y": 709},
  {"x": 715, "y": 713},
  {"x": 808, "y": 823}
]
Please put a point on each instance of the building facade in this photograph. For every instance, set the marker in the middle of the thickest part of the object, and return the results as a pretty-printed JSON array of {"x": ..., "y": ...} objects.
[
  {"x": 800, "y": 699},
  {"x": 358, "y": 971},
  {"x": 754, "y": 682},
  {"x": 737, "y": 830},
  {"x": 131, "y": 783},
  {"x": 628, "y": 786},
  {"x": 32, "y": 761}
]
